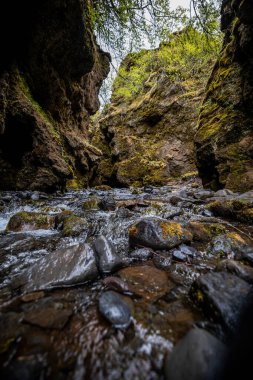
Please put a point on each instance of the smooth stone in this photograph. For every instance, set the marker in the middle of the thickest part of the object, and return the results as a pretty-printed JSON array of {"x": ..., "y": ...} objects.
[
  {"x": 115, "y": 309},
  {"x": 146, "y": 281},
  {"x": 65, "y": 267},
  {"x": 222, "y": 297},
  {"x": 198, "y": 356},
  {"x": 108, "y": 259},
  {"x": 231, "y": 266},
  {"x": 51, "y": 316},
  {"x": 157, "y": 233}
]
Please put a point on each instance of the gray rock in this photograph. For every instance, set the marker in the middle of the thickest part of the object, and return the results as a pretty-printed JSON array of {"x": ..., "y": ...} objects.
[
  {"x": 115, "y": 309},
  {"x": 183, "y": 253},
  {"x": 196, "y": 357},
  {"x": 108, "y": 259},
  {"x": 64, "y": 267},
  {"x": 231, "y": 266},
  {"x": 222, "y": 297},
  {"x": 227, "y": 246},
  {"x": 223, "y": 193}
]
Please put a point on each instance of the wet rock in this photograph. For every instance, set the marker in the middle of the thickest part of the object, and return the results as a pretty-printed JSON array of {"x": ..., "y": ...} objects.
[
  {"x": 141, "y": 254},
  {"x": 148, "y": 189},
  {"x": 16, "y": 243},
  {"x": 203, "y": 194},
  {"x": 223, "y": 193},
  {"x": 117, "y": 284},
  {"x": 30, "y": 221},
  {"x": 64, "y": 267},
  {"x": 74, "y": 226},
  {"x": 237, "y": 209},
  {"x": 196, "y": 357},
  {"x": 115, "y": 309},
  {"x": 146, "y": 281},
  {"x": 51, "y": 315},
  {"x": 107, "y": 203},
  {"x": 174, "y": 200},
  {"x": 158, "y": 234},
  {"x": 246, "y": 255},
  {"x": 183, "y": 253},
  {"x": 222, "y": 296},
  {"x": 90, "y": 204},
  {"x": 243, "y": 271},
  {"x": 107, "y": 258},
  {"x": 175, "y": 294},
  {"x": 230, "y": 245},
  {"x": 203, "y": 232},
  {"x": 162, "y": 260}
]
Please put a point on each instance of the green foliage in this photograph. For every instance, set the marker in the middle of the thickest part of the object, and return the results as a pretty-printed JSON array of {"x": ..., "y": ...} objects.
[{"x": 187, "y": 54}]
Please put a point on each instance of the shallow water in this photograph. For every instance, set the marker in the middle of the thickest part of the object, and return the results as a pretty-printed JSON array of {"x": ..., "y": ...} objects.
[{"x": 59, "y": 333}]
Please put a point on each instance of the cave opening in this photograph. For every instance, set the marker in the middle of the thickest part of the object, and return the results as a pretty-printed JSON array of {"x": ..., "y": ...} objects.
[{"x": 16, "y": 140}]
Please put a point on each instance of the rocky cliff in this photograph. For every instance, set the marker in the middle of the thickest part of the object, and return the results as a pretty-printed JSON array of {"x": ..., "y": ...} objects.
[
  {"x": 50, "y": 74},
  {"x": 146, "y": 134},
  {"x": 224, "y": 141}
]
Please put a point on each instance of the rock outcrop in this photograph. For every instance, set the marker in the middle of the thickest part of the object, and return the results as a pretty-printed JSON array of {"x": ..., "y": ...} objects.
[
  {"x": 50, "y": 74},
  {"x": 146, "y": 134},
  {"x": 224, "y": 141}
]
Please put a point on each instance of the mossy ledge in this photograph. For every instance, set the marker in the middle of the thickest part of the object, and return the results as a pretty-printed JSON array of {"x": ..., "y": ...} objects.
[{"x": 224, "y": 139}]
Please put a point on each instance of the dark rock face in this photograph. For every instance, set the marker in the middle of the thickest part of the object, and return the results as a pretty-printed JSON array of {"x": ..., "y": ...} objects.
[
  {"x": 197, "y": 356},
  {"x": 224, "y": 140},
  {"x": 50, "y": 74},
  {"x": 222, "y": 296}
]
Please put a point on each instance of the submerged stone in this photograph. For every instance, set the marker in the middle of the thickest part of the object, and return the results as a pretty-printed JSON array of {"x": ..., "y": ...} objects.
[
  {"x": 115, "y": 309},
  {"x": 158, "y": 234}
]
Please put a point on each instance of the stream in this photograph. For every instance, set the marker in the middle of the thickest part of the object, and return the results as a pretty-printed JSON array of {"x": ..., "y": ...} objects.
[{"x": 93, "y": 286}]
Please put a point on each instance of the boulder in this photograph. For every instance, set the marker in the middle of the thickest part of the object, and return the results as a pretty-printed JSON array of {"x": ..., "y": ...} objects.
[
  {"x": 158, "y": 234},
  {"x": 30, "y": 221},
  {"x": 108, "y": 259}
]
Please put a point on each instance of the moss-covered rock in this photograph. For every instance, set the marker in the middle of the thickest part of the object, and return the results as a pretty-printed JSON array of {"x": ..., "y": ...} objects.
[
  {"x": 91, "y": 204},
  {"x": 158, "y": 234},
  {"x": 204, "y": 232},
  {"x": 146, "y": 133},
  {"x": 224, "y": 140},
  {"x": 29, "y": 221},
  {"x": 74, "y": 226},
  {"x": 237, "y": 209}
]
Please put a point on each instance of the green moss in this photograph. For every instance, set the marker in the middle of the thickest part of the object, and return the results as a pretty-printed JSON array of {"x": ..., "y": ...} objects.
[
  {"x": 23, "y": 221},
  {"x": 90, "y": 204},
  {"x": 74, "y": 226}
]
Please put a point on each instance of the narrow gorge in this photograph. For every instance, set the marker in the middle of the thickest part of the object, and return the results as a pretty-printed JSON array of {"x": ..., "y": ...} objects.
[{"x": 126, "y": 233}]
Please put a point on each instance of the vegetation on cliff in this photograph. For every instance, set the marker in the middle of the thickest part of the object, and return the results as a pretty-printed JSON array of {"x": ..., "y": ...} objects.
[{"x": 146, "y": 133}]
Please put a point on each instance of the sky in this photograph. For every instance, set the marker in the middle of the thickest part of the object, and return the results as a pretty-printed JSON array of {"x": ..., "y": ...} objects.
[{"x": 182, "y": 3}]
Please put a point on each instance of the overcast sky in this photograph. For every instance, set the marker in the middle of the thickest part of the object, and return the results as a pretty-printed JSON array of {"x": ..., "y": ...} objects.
[{"x": 177, "y": 3}]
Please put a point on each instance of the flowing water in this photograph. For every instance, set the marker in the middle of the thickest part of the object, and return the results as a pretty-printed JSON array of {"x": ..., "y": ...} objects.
[{"x": 59, "y": 333}]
